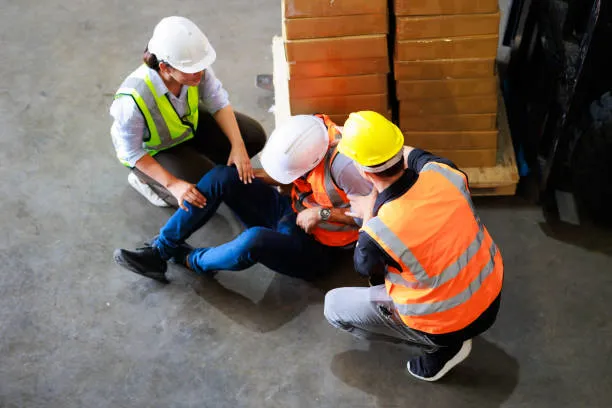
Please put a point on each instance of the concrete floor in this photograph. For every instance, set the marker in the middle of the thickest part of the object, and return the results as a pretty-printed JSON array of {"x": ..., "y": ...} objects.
[{"x": 77, "y": 331}]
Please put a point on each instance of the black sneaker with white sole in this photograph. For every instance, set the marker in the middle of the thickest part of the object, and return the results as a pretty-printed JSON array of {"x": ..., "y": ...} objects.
[
  {"x": 145, "y": 261},
  {"x": 433, "y": 366}
]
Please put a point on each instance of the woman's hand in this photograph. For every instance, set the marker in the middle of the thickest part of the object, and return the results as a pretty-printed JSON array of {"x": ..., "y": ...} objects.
[
  {"x": 184, "y": 191},
  {"x": 240, "y": 158}
]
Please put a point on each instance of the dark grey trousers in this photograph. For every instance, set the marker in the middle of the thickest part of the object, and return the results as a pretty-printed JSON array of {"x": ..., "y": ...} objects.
[{"x": 190, "y": 160}]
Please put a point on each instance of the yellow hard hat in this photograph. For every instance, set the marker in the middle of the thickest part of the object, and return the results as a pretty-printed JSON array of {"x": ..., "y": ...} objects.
[{"x": 371, "y": 140}]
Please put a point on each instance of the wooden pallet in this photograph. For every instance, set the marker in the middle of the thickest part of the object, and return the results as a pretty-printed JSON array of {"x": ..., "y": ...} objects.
[{"x": 500, "y": 180}]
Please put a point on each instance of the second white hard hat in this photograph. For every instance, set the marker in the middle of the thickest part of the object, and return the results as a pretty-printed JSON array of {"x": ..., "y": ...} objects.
[
  {"x": 295, "y": 148},
  {"x": 180, "y": 43}
]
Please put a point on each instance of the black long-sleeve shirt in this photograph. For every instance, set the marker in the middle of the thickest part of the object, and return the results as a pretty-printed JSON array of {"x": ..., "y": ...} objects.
[{"x": 371, "y": 260}]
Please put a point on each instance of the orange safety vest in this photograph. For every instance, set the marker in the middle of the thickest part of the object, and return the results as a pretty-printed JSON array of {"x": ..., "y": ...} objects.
[
  {"x": 450, "y": 268},
  {"x": 318, "y": 189}
]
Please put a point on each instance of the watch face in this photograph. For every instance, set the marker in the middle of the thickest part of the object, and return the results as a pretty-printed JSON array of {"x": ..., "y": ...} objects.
[{"x": 325, "y": 213}]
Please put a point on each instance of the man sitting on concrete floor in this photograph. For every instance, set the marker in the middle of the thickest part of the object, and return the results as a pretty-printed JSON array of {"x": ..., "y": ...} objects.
[
  {"x": 295, "y": 235},
  {"x": 422, "y": 238}
]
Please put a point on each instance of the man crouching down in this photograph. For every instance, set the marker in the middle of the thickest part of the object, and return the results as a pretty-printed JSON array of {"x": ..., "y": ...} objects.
[
  {"x": 422, "y": 238},
  {"x": 295, "y": 235}
]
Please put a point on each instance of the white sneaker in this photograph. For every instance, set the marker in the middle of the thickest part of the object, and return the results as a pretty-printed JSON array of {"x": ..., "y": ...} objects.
[{"x": 146, "y": 191}]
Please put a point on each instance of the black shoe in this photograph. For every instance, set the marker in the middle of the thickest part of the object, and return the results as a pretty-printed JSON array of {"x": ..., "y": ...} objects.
[
  {"x": 433, "y": 366},
  {"x": 145, "y": 261},
  {"x": 182, "y": 250}
]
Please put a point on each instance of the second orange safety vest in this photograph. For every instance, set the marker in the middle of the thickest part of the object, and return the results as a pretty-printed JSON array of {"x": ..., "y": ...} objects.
[
  {"x": 451, "y": 271},
  {"x": 318, "y": 189}
]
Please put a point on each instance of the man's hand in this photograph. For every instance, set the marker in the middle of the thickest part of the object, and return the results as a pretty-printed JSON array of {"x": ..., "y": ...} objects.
[
  {"x": 239, "y": 157},
  {"x": 308, "y": 219},
  {"x": 184, "y": 191},
  {"x": 363, "y": 206},
  {"x": 406, "y": 152}
]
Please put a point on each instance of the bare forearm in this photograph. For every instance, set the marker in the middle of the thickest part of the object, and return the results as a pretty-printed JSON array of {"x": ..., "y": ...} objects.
[
  {"x": 226, "y": 119},
  {"x": 265, "y": 177},
  {"x": 151, "y": 167},
  {"x": 270, "y": 181},
  {"x": 339, "y": 215}
]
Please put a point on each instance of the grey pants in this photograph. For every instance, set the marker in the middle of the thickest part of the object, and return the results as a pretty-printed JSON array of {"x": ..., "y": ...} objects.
[
  {"x": 190, "y": 160},
  {"x": 369, "y": 313}
]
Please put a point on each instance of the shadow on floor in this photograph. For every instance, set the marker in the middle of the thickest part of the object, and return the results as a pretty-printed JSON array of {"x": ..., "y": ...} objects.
[
  {"x": 486, "y": 379},
  {"x": 342, "y": 273},
  {"x": 587, "y": 236},
  {"x": 284, "y": 298},
  {"x": 503, "y": 202},
  {"x": 582, "y": 230}
]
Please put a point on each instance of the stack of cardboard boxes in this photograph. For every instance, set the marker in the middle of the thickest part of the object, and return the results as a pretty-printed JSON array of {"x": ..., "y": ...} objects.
[
  {"x": 446, "y": 86},
  {"x": 337, "y": 53}
]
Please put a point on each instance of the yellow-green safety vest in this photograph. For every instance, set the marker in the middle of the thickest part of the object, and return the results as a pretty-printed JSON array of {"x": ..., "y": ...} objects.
[{"x": 166, "y": 127}]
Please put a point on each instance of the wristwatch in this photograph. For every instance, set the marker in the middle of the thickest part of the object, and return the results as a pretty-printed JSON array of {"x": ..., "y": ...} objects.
[{"x": 324, "y": 213}]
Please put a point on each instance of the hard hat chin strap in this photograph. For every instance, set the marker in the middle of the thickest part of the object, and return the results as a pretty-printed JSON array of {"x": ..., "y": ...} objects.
[{"x": 386, "y": 165}]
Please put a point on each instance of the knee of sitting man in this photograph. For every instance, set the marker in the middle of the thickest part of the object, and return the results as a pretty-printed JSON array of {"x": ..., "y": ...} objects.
[
  {"x": 218, "y": 178},
  {"x": 255, "y": 242}
]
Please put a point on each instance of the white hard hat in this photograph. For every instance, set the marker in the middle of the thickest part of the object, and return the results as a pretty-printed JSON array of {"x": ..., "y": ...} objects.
[
  {"x": 295, "y": 148},
  {"x": 180, "y": 43}
]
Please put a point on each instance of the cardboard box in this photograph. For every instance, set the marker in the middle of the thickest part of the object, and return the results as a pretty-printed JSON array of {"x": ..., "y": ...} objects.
[
  {"x": 337, "y": 26},
  {"x": 482, "y": 46},
  {"x": 338, "y": 48},
  {"x": 469, "y": 158},
  {"x": 460, "y": 25},
  {"x": 445, "y": 69},
  {"x": 445, "y": 88},
  {"x": 484, "y": 121},
  {"x": 429, "y": 7},
  {"x": 449, "y": 106},
  {"x": 332, "y": 105},
  {"x": 325, "y": 8},
  {"x": 341, "y": 85},
  {"x": 452, "y": 140},
  {"x": 314, "y": 69}
]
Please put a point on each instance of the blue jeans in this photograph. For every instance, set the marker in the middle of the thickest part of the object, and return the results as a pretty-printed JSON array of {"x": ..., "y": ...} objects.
[{"x": 271, "y": 238}]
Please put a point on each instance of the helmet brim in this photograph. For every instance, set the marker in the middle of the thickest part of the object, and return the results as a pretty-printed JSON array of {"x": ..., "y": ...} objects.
[
  {"x": 273, "y": 168},
  {"x": 201, "y": 65}
]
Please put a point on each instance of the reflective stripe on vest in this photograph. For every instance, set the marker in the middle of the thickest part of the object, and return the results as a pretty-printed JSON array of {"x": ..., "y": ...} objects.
[
  {"x": 422, "y": 309},
  {"x": 319, "y": 190},
  {"x": 423, "y": 280},
  {"x": 166, "y": 128},
  {"x": 425, "y": 294}
]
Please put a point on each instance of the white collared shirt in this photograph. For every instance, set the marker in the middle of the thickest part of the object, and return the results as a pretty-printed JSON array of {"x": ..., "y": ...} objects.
[{"x": 129, "y": 128}]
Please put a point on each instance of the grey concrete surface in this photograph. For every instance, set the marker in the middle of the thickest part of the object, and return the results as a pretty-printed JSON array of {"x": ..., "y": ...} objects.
[{"x": 77, "y": 331}]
